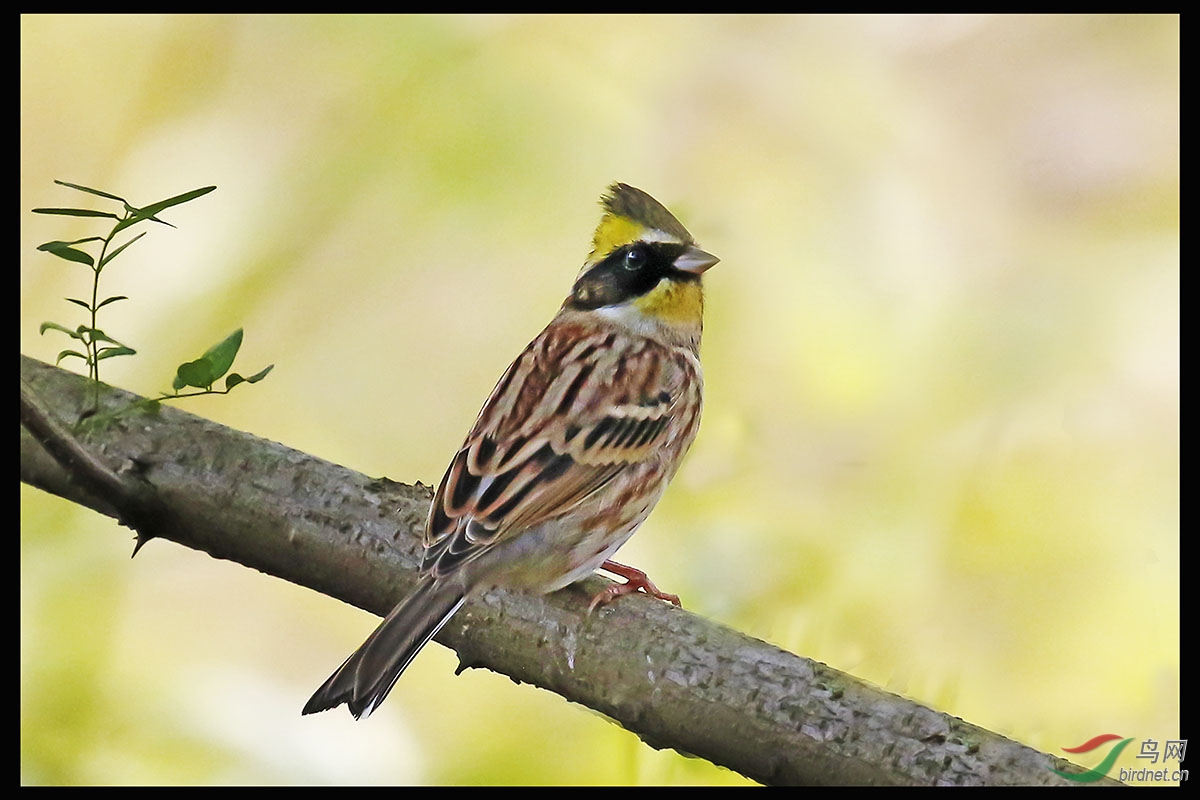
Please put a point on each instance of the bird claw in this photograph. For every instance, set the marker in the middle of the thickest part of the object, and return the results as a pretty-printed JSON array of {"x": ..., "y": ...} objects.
[{"x": 635, "y": 580}]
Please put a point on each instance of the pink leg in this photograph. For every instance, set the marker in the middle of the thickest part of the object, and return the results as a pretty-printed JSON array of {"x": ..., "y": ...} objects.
[{"x": 635, "y": 580}]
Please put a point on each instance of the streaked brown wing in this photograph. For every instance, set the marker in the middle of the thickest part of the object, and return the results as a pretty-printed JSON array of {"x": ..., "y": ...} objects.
[{"x": 573, "y": 411}]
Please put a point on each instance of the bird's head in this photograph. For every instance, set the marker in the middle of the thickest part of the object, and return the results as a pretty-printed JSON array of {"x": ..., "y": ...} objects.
[{"x": 644, "y": 269}]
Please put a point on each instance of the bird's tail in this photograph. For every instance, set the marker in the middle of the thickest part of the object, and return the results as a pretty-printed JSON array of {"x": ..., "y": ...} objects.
[{"x": 367, "y": 676}]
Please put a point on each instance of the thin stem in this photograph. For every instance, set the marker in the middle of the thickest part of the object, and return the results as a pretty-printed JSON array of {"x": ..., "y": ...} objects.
[
  {"x": 194, "y": 394},
  {"x": 93, "y": 346}
]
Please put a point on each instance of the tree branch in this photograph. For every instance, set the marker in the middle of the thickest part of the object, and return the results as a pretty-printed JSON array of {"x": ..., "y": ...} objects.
[{"x": 673, "y": 678}]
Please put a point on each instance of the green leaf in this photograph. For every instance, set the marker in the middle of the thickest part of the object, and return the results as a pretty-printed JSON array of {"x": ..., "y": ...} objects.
[
  {"x": 129, "y": 222},
  {"x": 78, "y": 302},
  {"x": 66, "y": 353},
  {"x": 112, "y": 299},
  {"x": 64, "y": 250},
  {"x": 49, "y": 245},
  {"x": 149, "y": 212},
  {"x": 90, "y": 191},
  {"x": 234, "y": 379},
  {"x": 117, "y": 252},
  {"x": 215, "y": 362},
  {"x": 47, "y": 326},
  {"x": 76, "y": 212},
  {"x": 222, "y": 353},
  {"x": 97, "y": 335},
  {"x": 110, "y": 352},
  {"x": 179, "y": 199},
  {"x": 198, "y": 373}
]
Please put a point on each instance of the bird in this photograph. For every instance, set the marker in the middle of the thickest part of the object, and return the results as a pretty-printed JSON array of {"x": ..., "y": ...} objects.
[{"x": 571, "y": 451}]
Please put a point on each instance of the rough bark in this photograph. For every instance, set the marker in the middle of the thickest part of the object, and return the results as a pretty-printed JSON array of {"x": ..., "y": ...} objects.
[{"x": 673, "y": 678}]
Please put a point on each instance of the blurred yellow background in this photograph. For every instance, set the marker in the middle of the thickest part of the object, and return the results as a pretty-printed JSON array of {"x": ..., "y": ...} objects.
[{"x": 941, "y": 441}]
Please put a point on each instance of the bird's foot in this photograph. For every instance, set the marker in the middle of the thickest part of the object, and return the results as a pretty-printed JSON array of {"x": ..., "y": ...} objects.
[{"x": 635, "y": 580}]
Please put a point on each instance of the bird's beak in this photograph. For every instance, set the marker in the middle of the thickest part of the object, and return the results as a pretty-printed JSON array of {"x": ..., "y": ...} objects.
[{"x": 695, "y": 260}]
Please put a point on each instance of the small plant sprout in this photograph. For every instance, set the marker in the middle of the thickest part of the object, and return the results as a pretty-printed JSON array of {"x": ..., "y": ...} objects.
[{"x": 94, "y": 345}]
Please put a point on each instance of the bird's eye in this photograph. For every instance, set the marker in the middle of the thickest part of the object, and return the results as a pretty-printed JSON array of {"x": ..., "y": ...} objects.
[{"x": 634, "y": 259}]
